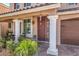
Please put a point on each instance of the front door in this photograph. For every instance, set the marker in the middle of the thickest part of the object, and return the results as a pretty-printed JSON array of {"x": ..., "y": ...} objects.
[{"x": 43, "y": 28}]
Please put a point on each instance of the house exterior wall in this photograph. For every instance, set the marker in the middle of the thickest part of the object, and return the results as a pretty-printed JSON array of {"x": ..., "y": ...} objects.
[
  {"x": 49, "y": 11},
  {"x": 65, "y": 12},
  {"x": 3, "y": 25},
  {"x": 35, "y": 27},
  {"x": 12, "y": 6},
  {"x": 22, "y": 5},
  {"x": 3, "y": 28},
  {"x": 62, "y": 16},
  {"x": 4, "y": 8},
  {"x": 65, "y": 6}
]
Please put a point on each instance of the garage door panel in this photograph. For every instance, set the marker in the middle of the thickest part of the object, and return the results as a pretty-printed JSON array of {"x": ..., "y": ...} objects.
[
  {"x": 72, "y": 42},
  {"x": 70, "y": 32}
]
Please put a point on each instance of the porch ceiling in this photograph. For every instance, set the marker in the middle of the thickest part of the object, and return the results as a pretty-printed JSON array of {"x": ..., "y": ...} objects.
[{"x": 44, "y": 10}]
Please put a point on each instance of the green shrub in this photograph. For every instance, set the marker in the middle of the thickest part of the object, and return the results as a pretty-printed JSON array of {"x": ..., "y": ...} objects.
[
  {"x": 3, "y": 43},
  {"x": 11, "y": 46},
  {"x": 22, "y": 49},
  {"x": 26, "y": 48},
  {"x": 9, "y": 34},
  {"x": 32, "y": 47},
  {"x": 21, "y": 38}
]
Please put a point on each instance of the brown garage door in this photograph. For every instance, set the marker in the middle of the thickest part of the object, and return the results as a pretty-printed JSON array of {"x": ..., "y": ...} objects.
[{"x": 70, "y": 32}]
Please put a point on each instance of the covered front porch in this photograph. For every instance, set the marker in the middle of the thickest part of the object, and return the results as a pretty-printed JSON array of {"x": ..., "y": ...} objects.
[{"x": 40, "y": 25}]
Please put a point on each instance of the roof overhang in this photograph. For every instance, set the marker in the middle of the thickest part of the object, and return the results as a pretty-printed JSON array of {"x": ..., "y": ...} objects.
[{"x": 37, "y": 9}]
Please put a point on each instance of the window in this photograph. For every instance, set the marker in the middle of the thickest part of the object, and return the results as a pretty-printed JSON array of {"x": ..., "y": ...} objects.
[
  {"x": 27, "y": 4},
  {"x": 27, "y": 26},
  {"x": 9, "y": 25},
  {"x": 16, "y": 5},
  {"x": 72, "y": 3}
]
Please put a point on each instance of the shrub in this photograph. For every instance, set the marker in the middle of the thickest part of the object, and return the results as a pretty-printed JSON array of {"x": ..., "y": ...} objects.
[
  {"x": 21, "y": 38},
  {"x": 11, "y": 46},
  {"x": 21, "y": 49},
  {"x": 9, "y": 34},
  {"x": 2, "y": 43},
  {"x": 32, "y": 47},
  {"x": 26, "y": 48}
]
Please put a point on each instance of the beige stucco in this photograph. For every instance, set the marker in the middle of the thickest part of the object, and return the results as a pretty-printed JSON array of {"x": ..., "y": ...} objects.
[
  {"x": 65, "y": 16},
  {"x": 68, "y": 6},
  {"x": 68, "y": 15},
  {"x": 3, "y": 28},
  {"x": 35, "y": 26},
  {"x": 58, "y": 32},
  {"x": 22, "y": 5}
]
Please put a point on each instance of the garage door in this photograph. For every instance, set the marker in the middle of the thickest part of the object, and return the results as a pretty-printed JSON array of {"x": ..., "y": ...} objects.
[{"x": 70, "y": 32}]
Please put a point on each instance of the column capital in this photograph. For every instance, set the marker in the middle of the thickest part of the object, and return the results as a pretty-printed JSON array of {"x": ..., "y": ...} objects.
[
  {"x": 17, "y": 20},
  {"x": 52, "y": 16}
]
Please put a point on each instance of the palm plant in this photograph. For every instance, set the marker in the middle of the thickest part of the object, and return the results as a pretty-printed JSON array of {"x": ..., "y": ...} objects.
[{"x": 26, "y": 48}]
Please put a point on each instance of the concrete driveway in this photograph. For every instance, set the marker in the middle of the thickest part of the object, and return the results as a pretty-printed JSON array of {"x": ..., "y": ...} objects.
[
  {"x": 63, "y": 50},
  {"x": 68, "y": 50}
]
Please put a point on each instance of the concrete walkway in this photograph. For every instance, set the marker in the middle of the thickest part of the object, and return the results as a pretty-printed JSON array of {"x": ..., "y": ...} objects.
[
  {"x": 63, "y": 50},
  {"x": 42, "y": 49},
  {"x": 68, "y": 50}
]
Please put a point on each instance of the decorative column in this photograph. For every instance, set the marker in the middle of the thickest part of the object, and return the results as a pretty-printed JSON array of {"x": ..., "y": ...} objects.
[
  {"x": 0, "y": 30},
  {"x": 17, "y": 29},
  {"x": 21, "y": 27},
  {"x": 52, "y": 50},
  {"x": 13, "y": 27}
]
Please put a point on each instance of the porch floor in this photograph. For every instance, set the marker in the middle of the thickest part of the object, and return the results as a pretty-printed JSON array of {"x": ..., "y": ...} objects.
[{"x": 63, "y": 50}]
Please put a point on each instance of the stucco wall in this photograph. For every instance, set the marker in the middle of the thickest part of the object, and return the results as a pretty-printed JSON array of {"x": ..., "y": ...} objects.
[
  {"x": 22, "y": 5},
  {"x": 3, "y": 28},
  {"x": 35, "y": 26},
  {"x": 4, "y": 8},
  {"x": 68, "y": 6}
]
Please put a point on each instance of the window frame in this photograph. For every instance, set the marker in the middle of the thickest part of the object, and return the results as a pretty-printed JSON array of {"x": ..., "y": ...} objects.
[
  {"x": 16, "y": 5},
  {"x": 72, "y": 3},
  {"x": 27, "y": 4},
  {"x": 26, "y": 25},
  {"x": 10, "y": 25}
]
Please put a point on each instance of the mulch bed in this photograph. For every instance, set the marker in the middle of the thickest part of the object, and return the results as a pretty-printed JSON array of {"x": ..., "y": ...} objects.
[{"x": 4, "y": 52}]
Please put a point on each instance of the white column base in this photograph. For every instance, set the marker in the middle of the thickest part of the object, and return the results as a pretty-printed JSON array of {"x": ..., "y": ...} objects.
[
  {"x": 52, "y": 51},
  {"x": 16, "y": 38}
]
